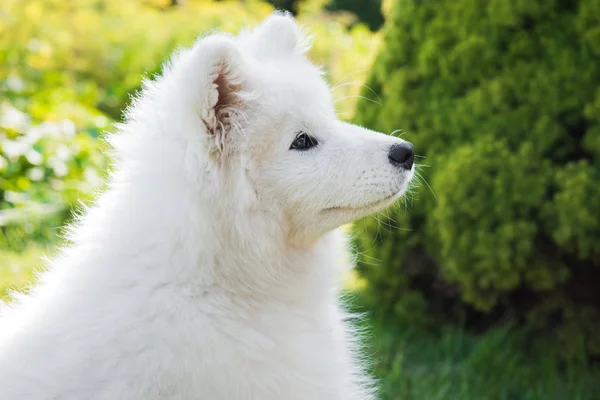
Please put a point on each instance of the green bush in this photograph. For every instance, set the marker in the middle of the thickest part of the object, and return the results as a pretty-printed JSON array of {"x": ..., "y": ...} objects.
[{"x": 503, "y": 98}]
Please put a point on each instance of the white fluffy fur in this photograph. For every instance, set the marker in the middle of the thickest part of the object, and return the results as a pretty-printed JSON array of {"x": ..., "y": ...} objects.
[{"x": 207, "y": 270}]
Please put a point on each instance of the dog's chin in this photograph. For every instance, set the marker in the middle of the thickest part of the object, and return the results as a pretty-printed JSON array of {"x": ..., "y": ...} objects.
[
  {"x": 334, "y": 216},
  {"x": 361, "y": 210}
]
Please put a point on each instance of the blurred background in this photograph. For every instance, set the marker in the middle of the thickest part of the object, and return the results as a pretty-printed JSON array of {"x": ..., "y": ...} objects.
[{"x": 485, "y": 282}]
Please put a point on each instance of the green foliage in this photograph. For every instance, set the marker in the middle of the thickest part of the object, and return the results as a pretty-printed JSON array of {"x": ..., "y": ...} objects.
[
  {"x": 99, "y": 60},
  {"x": 48, "y": 162},
  {"x": 503, "y": 99},
  {"x": 477, "y": 188}
]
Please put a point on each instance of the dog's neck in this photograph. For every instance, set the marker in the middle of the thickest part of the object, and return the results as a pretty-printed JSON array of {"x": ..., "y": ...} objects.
[
  {"x": 190, "y": 239},
  {"x": 254, "y": 254}
]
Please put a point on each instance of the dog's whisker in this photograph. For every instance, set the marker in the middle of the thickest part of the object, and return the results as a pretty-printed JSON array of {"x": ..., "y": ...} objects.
[
  {"x": 422, "y": 178},
  {"x": 344, "y": 85},
  {"x": 372, "y": 91},
  {"x": 393, "y": 133},
  {"x": 361, "y": 85},
  {"x": 348, "y": 76},
  {"x": 356, "y": 96}
]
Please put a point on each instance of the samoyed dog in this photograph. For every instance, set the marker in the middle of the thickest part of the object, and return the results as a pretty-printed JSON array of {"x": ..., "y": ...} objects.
[{"x": 208, "y": 269}]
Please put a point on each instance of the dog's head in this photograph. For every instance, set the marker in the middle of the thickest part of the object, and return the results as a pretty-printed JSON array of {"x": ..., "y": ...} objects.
[{"x": 271, "y": 135}]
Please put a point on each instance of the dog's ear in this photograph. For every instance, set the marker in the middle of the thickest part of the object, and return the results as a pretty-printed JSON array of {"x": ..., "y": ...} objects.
[
  {"x": 224, "y": 93},
  {"x": 280, "y": 36}
]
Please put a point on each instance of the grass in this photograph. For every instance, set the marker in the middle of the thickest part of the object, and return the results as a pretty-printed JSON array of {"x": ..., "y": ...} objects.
[
  {"x": 454, "y": 365},
  {"x": 418, "y": 365}
]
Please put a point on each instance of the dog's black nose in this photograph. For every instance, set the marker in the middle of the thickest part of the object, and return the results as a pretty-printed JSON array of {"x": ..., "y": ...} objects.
[{"x": 402, "y": 155}]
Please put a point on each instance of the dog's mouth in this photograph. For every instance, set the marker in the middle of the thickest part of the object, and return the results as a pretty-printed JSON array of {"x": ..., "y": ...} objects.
[{"x": 374, "y": 206}]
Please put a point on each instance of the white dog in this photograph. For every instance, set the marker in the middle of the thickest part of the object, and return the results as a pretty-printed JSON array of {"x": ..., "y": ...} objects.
[{"x": 208, "y": 268}]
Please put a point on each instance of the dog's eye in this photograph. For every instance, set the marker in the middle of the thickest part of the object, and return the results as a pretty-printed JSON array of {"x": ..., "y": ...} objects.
[{"x": 303, "y": 141}]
